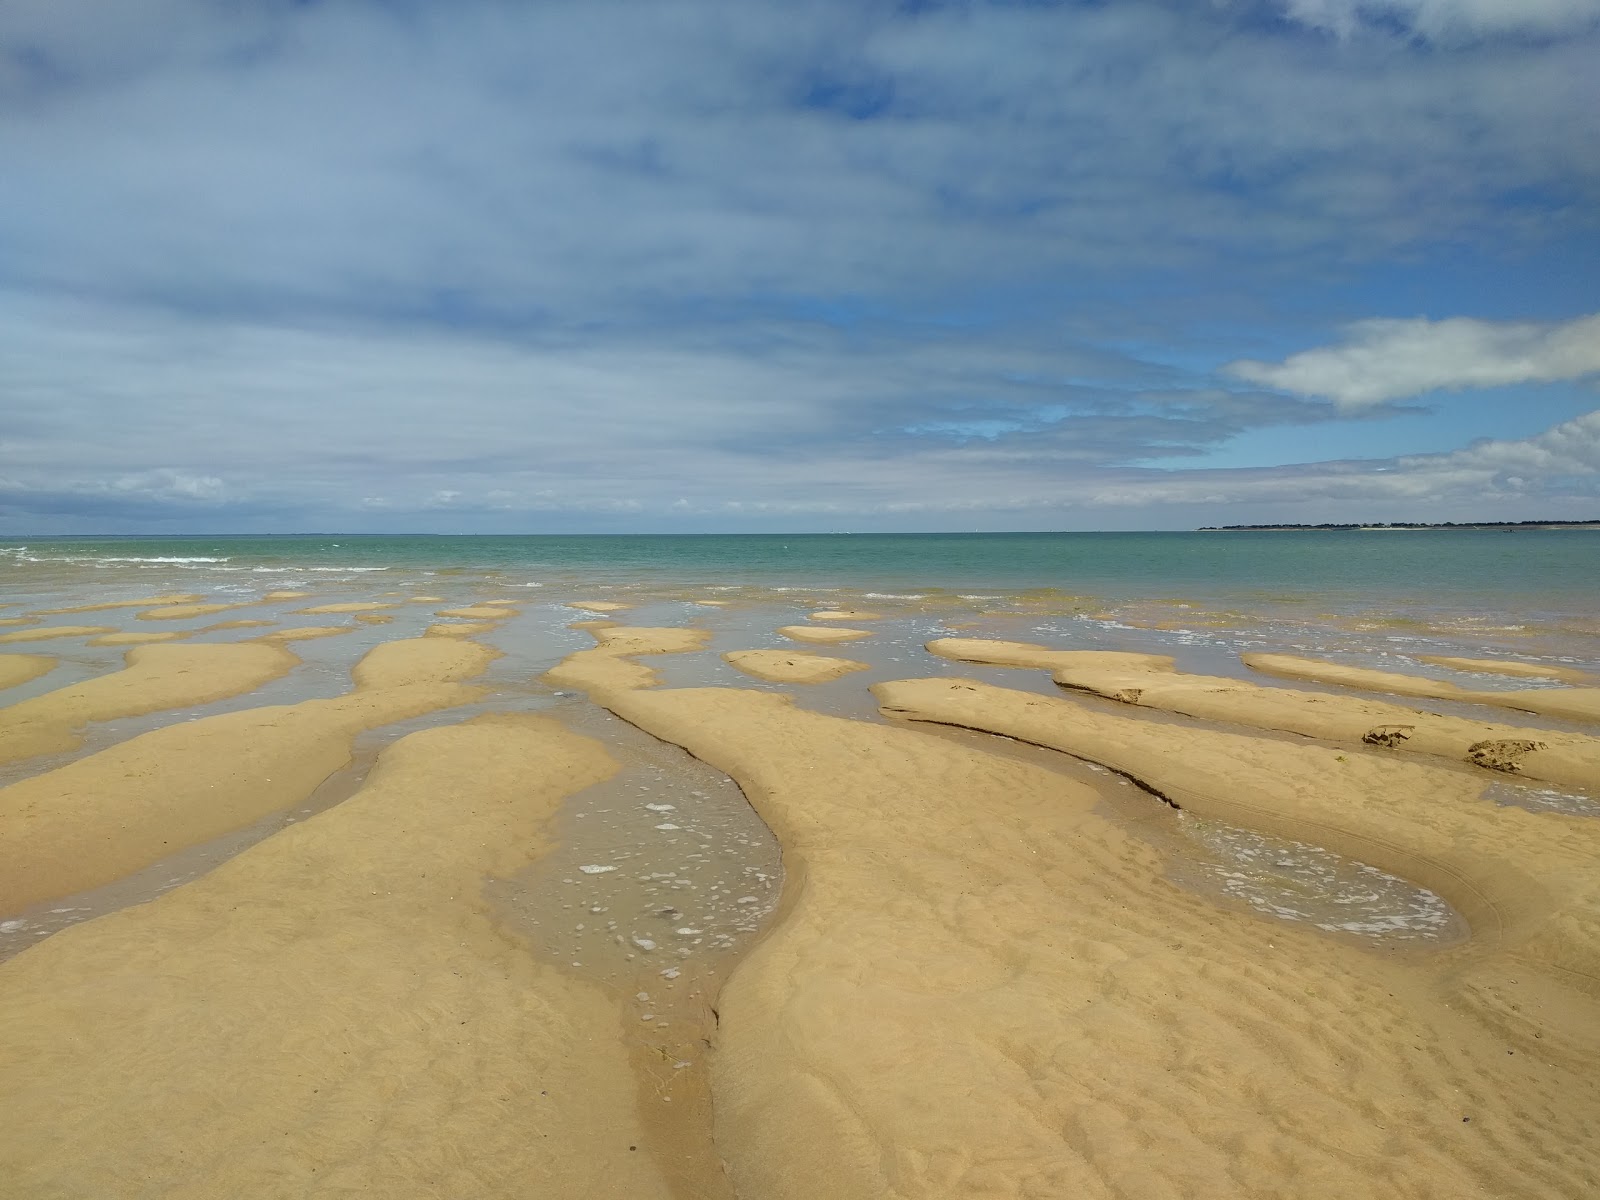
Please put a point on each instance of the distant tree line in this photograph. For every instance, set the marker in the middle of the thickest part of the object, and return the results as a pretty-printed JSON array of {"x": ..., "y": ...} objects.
[{"x": 1404, "y": 525}]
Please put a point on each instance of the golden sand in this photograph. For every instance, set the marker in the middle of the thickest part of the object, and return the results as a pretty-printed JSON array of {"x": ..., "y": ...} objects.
[
  {"x": 142, "y": 637},
  {"x": 1501, "y": 666},
  {"x": 179, "y": 612},
  {"x": 155, "y": 678},
  {"x": 978, "y": 987},
  {"x": 333, "y": 1013},
  {"x": 1568, "y": 703},
  {"x": 104, "y": 816},
  {"x": 1570, "y": 759},
  {"x": 55, "y": 631},
  {"x": 477, "y": 612},
  {"x": 599, "y": 606},
  {"x": 304, "y": 633},
  {"x": 368, "y": 618},
  {"x": 1026, "y": 654},
  {"x": 844, "y": 614},
  {"x": 792, "y": 666},
  {"x": 19, "y": 620},
  {"x": 240, "y": 623},
  {"x": 19, "y": 668},
  {"x": 350, "y": 606},
  {"x": 459, "y": 629},
  {"x": 146, "y": 602},
  {"x": 808, "y": 633}
]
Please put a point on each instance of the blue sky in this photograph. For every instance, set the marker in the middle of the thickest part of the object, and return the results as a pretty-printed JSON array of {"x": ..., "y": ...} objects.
[{"x": 382, "y": 265}]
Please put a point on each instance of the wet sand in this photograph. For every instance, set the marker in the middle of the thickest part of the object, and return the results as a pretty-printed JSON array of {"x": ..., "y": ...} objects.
[{"x": 520, "y": 960}]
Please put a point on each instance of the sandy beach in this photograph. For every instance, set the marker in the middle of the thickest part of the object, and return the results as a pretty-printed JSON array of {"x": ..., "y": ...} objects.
[{"x": 259, "y": 906}]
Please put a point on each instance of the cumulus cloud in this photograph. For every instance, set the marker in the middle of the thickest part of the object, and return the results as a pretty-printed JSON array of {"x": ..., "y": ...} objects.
[{"x": 1384, "y": 360}]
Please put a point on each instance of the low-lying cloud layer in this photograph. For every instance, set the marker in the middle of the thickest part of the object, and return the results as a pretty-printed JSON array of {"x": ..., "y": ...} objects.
[{"x": 698, "y": 264}]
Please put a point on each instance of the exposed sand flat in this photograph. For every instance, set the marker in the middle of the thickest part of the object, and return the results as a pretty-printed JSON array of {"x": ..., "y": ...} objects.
[
  {"x": 1025, "y": 654},
  {"x": 179, "y": 612},
  {"x": 1571, "y": 759},
  {"x": 350, "y": 606},
  {"x": 599, "y": 606},
  {"x": 1526, "y": 881},
  {"x": 460, "y": 629},
  {"x": 844, "y": 614},
  {"x": 477, "y": 612},
  {"x": 425, "y": 600},
  {"x": 104, "y": 816},
  {"x": 499, "y": 603},
  {"x": 155, "y": 678},
  {"x": 305, "y": 633},
  {"x": 141, "y": 637},
  {"x": 240, "y": 623},
  {"x": 792, "y": 666},
  {"x": 285, "y": 595},
  {"x": 1568, "y": 703},
  {"x": 369, "y": 618},
  {"x": 808, "y": 633},
  {"x": 146, "y": 602},
  {"x": 19, "y": 668},
  {"x": 712, "y": 603},
  {"x": 19, "y": 620},
  {"x": 980, "y": 988},
  {"x": 611, "y": 663},
  {"x": 332, "y": 1013},
  {"x": 47, "y": 632},
  {"x": 1502, "y": 666}
]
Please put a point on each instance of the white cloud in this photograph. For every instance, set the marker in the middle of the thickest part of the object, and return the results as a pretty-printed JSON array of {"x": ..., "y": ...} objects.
[
  {"x": 1450, "y": 20},
  {"x": 1383, "y": 360}
]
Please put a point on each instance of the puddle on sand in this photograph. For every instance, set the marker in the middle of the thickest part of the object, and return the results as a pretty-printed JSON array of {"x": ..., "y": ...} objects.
[
  {"x": 657, "y": 881},
  {"x": 30, "y": 926},
  {"x": 1296, "y": 881},
  {"x": 1542, "y": 799},
  {"x": 1276, "y": 878}
]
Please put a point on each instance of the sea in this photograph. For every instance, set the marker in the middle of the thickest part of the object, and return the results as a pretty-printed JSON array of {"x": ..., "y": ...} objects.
[{"x": 1508, "y": 588}]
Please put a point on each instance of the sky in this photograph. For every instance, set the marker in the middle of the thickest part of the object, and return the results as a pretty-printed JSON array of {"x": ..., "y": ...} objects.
[{"x": 784, "y": 265}]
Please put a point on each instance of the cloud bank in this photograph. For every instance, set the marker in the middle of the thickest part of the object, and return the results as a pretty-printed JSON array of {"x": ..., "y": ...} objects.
[
  {"x": 399, "y": 265},
  {"x": 1383, "y": 360}
]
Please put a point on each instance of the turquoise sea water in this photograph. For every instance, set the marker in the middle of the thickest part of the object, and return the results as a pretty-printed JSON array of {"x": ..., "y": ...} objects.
[
  {"x": 1530, "y": 594},
  {"x": 1540, "y": 571}
]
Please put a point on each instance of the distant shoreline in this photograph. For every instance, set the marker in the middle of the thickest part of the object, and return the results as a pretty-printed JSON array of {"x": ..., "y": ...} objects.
[{"x": 1399, "y": 527}]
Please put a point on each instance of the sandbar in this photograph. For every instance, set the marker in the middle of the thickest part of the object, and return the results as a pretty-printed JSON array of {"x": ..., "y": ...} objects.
[
  {"x": 477, "y": 612},
  {"x": 19, "y": 620},
  {"x": 599, "y": 606},
  {"x": 1568, "y": 703},
  {"x": 807, "y": 633},
  {"x": 305, "y": 633},
  {"x": 791, "y": 666},
  {"x": 179, "y": 612},
  {"x": 459, "y": 629},
  {"x": 1566, "y": 758},
  {"x": 1510, "y": 667},
  {"x": 106, "y": 815},
  {"x": 155, "y": 678},
  {"x": 141, "y": 637},
  {"x": 333, "y": 1012},
  {"x": 146, "y": 602},
  {"x": 844, "y": 614},
  {"x": 994, "y": 653},
  {"x": 348, "y": 606},
  {"x": 978, "y": 986},
  {"x": 20, "y": 668},
  {"x": 55, "y": 631}
]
